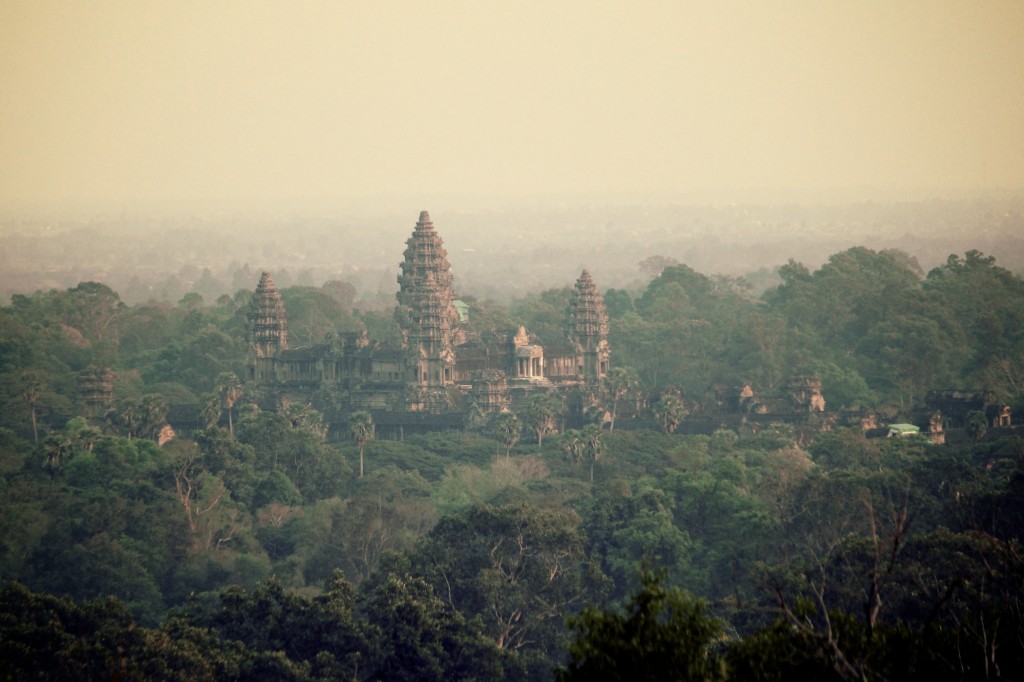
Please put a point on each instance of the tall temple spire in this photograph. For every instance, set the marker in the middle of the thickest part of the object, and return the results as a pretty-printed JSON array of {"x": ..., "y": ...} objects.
[
  {"x": 425, "y": 312},
  {"x": 425, "y": 292},
  {"x": 588, "y": 319},
  {"x": 267, "y": 319},
  {"x": 588, "y": 327}
]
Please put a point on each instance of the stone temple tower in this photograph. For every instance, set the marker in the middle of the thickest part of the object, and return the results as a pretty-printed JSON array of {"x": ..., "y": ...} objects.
[
  {"x": 588, "y": 329},
  {"x": 429, "y": 321},
  {"x": 268, "y": 325}
]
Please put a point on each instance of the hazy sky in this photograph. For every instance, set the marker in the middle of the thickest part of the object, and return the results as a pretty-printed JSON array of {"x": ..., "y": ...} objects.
[{"x": 285, "y": 103}]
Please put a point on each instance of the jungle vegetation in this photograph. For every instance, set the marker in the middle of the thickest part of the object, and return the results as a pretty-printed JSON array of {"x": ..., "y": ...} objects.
[{"x": 265, "y": 545}]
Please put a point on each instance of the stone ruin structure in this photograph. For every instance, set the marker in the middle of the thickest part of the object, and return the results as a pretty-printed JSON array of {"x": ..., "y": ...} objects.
[
  {"x": 797, "y": 395},
  {"x": 438, "y": 369},
  {"x": 96, "y": 390},
  {"x": 955, "y": 404}
]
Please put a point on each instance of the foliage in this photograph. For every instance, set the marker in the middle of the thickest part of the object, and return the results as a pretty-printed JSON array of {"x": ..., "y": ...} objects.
[
  {"x": 662, "y": 634},
  {"x": 507, "y": 429},
  {"x": 825, "y": 553},
  {"x": 670, "y": 410}
]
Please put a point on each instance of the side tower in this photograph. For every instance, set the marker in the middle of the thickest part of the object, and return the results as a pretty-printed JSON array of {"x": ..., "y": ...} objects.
[
  {"x": 268, "y": 327},
  {"x": 429, "y": 321},
  {"x": 588, "y": 329}
]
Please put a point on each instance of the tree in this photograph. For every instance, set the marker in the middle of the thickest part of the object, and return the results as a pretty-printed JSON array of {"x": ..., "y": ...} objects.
[
  {"x": 128, "y": 415},
  {"x": 507, "y": 428},
  {"x": 228, "y": 389},
  {"x": 976, "y": 425},
  {"x": 362, "y": 430},
  {"x": 93, "y": 308},
  {"x": 152, "y": 414},
  {"x": 541, "y": 413},
  {"x": 593, "y": 445},
  {"x": 670, "y": 410},
  {"x": 663, "y": 634},
  {"x": 520, "y": 568},
  {"x": 315, "y": 314},
  {"x": 304, "y": 417},
  {"x": 58, "y": 447},
  {"x": 417, "y": 637},
  {"x": 573, "y": 446},
  {"x": 210, "y": 409},
  {"x": 206, "y": 501},
  {"x": 654, "y": 265},
  {"x": 31, "y": 387},
  {"x": 618, "y": 383}
]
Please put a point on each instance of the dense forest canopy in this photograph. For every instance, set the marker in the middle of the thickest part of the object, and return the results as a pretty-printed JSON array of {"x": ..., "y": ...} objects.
[{"x": 272, "y": 544}]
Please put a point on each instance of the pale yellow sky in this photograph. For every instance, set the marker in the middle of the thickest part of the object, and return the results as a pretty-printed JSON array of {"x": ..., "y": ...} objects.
[{"x": 118, "y": 104}]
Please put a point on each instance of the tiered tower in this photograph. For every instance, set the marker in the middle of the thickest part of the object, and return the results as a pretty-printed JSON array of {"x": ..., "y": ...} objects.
[
  {"x": 429, "y": 321},
  {"x": 96, "y": 390},
  {"x": 267, "y": 319},
  {"x": 588, "y": 328}
]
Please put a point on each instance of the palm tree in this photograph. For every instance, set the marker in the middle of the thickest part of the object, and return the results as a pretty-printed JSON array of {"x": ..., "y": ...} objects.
[
  {"x": 507, "y": 428},
  {"x": 128, "y": 414},
  {"x": 541, "y": 411},
  {"x": 58, "y": 447},
  {"x": 152, "y": 414},
  {"x": 362, "y": 430},
  {"x": 617, "y": 384},
  {"x": 573, "y": 445},
  {"x": 31, "y": 387},
  {"x": 593, "y": 445},
  {"x": 670, "y": 411},
  {"x": 210, "y": 410},
  {"x": 229, "y": 389}
]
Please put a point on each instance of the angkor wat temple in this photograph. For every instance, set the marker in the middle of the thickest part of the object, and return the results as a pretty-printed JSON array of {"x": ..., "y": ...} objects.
[{"x": 441, "y": 376}]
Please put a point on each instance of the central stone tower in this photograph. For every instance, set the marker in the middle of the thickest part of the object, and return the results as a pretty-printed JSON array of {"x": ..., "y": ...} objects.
[
  {"x": 268, "y": 328},
  {"x": 588, "y": 329},
  {"x": 429, "y": 321}
]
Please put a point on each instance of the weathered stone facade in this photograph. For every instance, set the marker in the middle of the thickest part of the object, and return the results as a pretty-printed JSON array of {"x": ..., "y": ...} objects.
[{"x": 438, "y": 369}]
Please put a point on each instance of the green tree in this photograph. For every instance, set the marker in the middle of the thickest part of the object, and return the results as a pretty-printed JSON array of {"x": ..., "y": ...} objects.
[
  {"x": 663, "y": 634},
  {"x": 520, "y": 568},
  {"x": 128, "y": 416},
  {"x": 507, "y": 428},
  {"x": 976, "y": 425},
  {"x": 573, "y": 445},
  {"x": 362, "y": 430},
  {"x": 228, "y": 389},
  {"x": 593, "y": 445},
  {"x": 152, "y": 414},
  {"x": 31, "y": 387},
  {"x": 670, "y": 410},
  {"x": 315, "y": 315},
  {"x": 93, "y": 308},
  {"x": 618, "y": 383},
  {"x": 541, "y": 415},
  {"x": 416, "y": 636},
  {"x": 58, "y": 448},
  {"x": 987, "y": 302}
]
